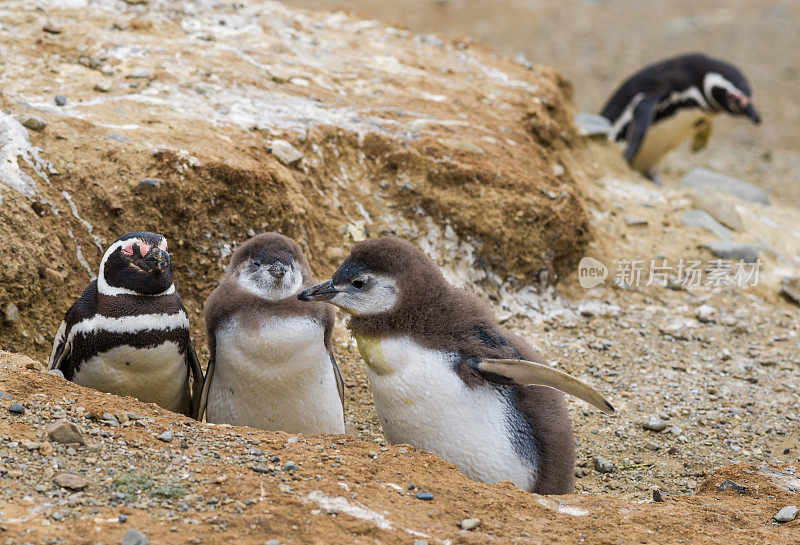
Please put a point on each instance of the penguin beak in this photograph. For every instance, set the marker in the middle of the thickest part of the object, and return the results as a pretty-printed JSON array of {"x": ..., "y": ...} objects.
[
  {"x": 156, "y": 261},
  {"x": 751, "y": 112},
  {"x": 277, "y": 269},
  {"x": 320, "y": 292}
]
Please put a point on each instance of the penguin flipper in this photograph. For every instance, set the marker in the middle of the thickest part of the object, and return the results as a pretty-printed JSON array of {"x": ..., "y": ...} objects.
[
  {"x": 530, "y": 373},
  {"x": 643, "y": 116},
  {"x": 201, "y": 409},
  {"x": 702, "y": 134},
  {"x": 339, "y": 379},
  {"x": 62, "y": 350},
  {"x": 198, "y": 382}
]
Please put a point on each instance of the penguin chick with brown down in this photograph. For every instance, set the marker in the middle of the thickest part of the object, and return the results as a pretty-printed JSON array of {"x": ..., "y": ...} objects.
[
  {"x": 447, "y": 378},
  {"x": 128, "y": 334},
  {"x": 271, "y": 364}
]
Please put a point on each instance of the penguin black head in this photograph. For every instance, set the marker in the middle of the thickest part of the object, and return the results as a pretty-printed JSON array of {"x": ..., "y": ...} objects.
[
  {"x": 380, "y": 277},
  {"x": 725, "y": 88},
  {"x": 270, "y": 266},
  {"x": 136, "y": 264}
]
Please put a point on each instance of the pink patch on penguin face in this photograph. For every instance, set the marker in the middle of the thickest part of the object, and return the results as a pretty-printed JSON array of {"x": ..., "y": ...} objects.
[
  {"x": 128, "y": 250},
  {"x": 144, "y": 248}
]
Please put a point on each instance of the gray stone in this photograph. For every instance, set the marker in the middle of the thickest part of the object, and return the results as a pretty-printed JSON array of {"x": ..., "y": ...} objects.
[
  {"x": 703, "y": 179},
  {"x": 285, "y": 152},
  {"x": 469, "y": 524},
  {"x": 102, "y": 86},
  {"x": 704, "y": 220},
  {"x": 426, "y": 496},
  {"x": 140, "y": 73},
  {"x": 272, "y": 542},
  {"x": 150, "y": 182},
  {"x": 790, "y": 288},
  {"x": 65, "y": 432},
  {"x": 654, "y": 423},
  {"x": 166, "y": 436},
  {"x": 61, "y": 100},
  {"x": 118, "y": 138},
  {"x": 727, "y": 249},
  {"x": 289, "y": 466},
  {"x": 706, "y": 314},
  {"x": 71, "y": 481},
  {"x": 601, "y": 465},
  {"x": 11, "y": 314},
  {"x": 16, "y": 408},
  {"x": 658, "y": 496},
  {"x": 720, "y": 206},
  {"x": 33, "y": 123},
  {"x": 592, "y": 124},
  {"x": 786, "y": 514},
  {"x": 56, "y": 372},
  {"x": 134, "y": 537}
]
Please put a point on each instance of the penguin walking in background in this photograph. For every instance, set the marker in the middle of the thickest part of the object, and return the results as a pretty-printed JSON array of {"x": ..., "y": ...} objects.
[
  {"x": 665, "y": 103},
  {"x": 447, "y": 378},
  {"x": 271, "y": 365},
  {"x": 128, "y": 334}
]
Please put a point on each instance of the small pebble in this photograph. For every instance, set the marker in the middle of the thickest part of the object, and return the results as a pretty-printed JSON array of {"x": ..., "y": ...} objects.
[
  {"x": 289, "y": 466},
  {"x": 260, "y": 469},
  {"x": 427, "y": 496},
  {"x": 16, "y": 408},
  {"x": 11, "y": 314},
  {"x": 654, "y": 423},
  {"x": 61, "y": 100},
  {"x": 123, "y": 518},
  {"x": 134, "y": 537},
  {"x": 150, "y": 182},
  {"x": 787, "y": 514},
  {"x": 33, "y": 123},
  {"x": 658, "y": 496},
  {"x": 706, "y": 314},
  {"x": 602, "y": 465},
  {"x": 272, "y": 542},
  {"x": 469, "y": 524},
  {"x": 166, "y": 436}
]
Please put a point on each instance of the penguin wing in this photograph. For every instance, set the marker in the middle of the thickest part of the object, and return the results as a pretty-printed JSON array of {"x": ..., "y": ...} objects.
[
  {"x": 203, "y": 401},
  {"x": 82, "y": 309},
  {"x": 198, "y": 383},
  {"x": 643, "y": 116},
  {"x": 529, "y": 373},
  {"x": 339, "y": 380}
]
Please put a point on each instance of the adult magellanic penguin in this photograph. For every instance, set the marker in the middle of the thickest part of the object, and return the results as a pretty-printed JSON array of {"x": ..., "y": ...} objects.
[
  {"x": 271, "y": 364},
  {"x": 665, "y": 103},
  {"x": 128, "y": 334},
  {"x": 446, "y": 377}
]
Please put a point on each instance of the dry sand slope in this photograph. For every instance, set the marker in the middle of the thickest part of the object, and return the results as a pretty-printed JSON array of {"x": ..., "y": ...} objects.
[{"x": 171, "y": 123}]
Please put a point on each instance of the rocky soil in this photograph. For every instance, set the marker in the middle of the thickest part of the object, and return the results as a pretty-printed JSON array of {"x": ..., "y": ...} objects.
[{"x": 210, "y": 122}]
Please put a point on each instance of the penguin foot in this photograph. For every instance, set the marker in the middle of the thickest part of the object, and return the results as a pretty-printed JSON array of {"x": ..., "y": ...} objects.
[{"x": 653, "y": 177}]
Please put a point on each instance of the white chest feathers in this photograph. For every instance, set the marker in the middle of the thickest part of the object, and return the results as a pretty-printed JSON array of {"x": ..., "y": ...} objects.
[
  {"x": 665, "y": 135},
  {"x": 420, "y": 400},
  {"x": 154, "y": 375},
  {"x": 278, "y": 376}
]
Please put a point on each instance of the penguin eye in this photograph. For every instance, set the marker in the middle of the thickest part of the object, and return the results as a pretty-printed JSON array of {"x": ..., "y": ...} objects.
[
  {"x": 357, "y": 284},
  {"x": 257, "y": 262}
]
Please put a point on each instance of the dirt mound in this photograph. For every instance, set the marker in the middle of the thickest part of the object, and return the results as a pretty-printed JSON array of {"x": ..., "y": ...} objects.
[
  {"x": 216, "y": 484},
  {"x": 398, "y": 133}
]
